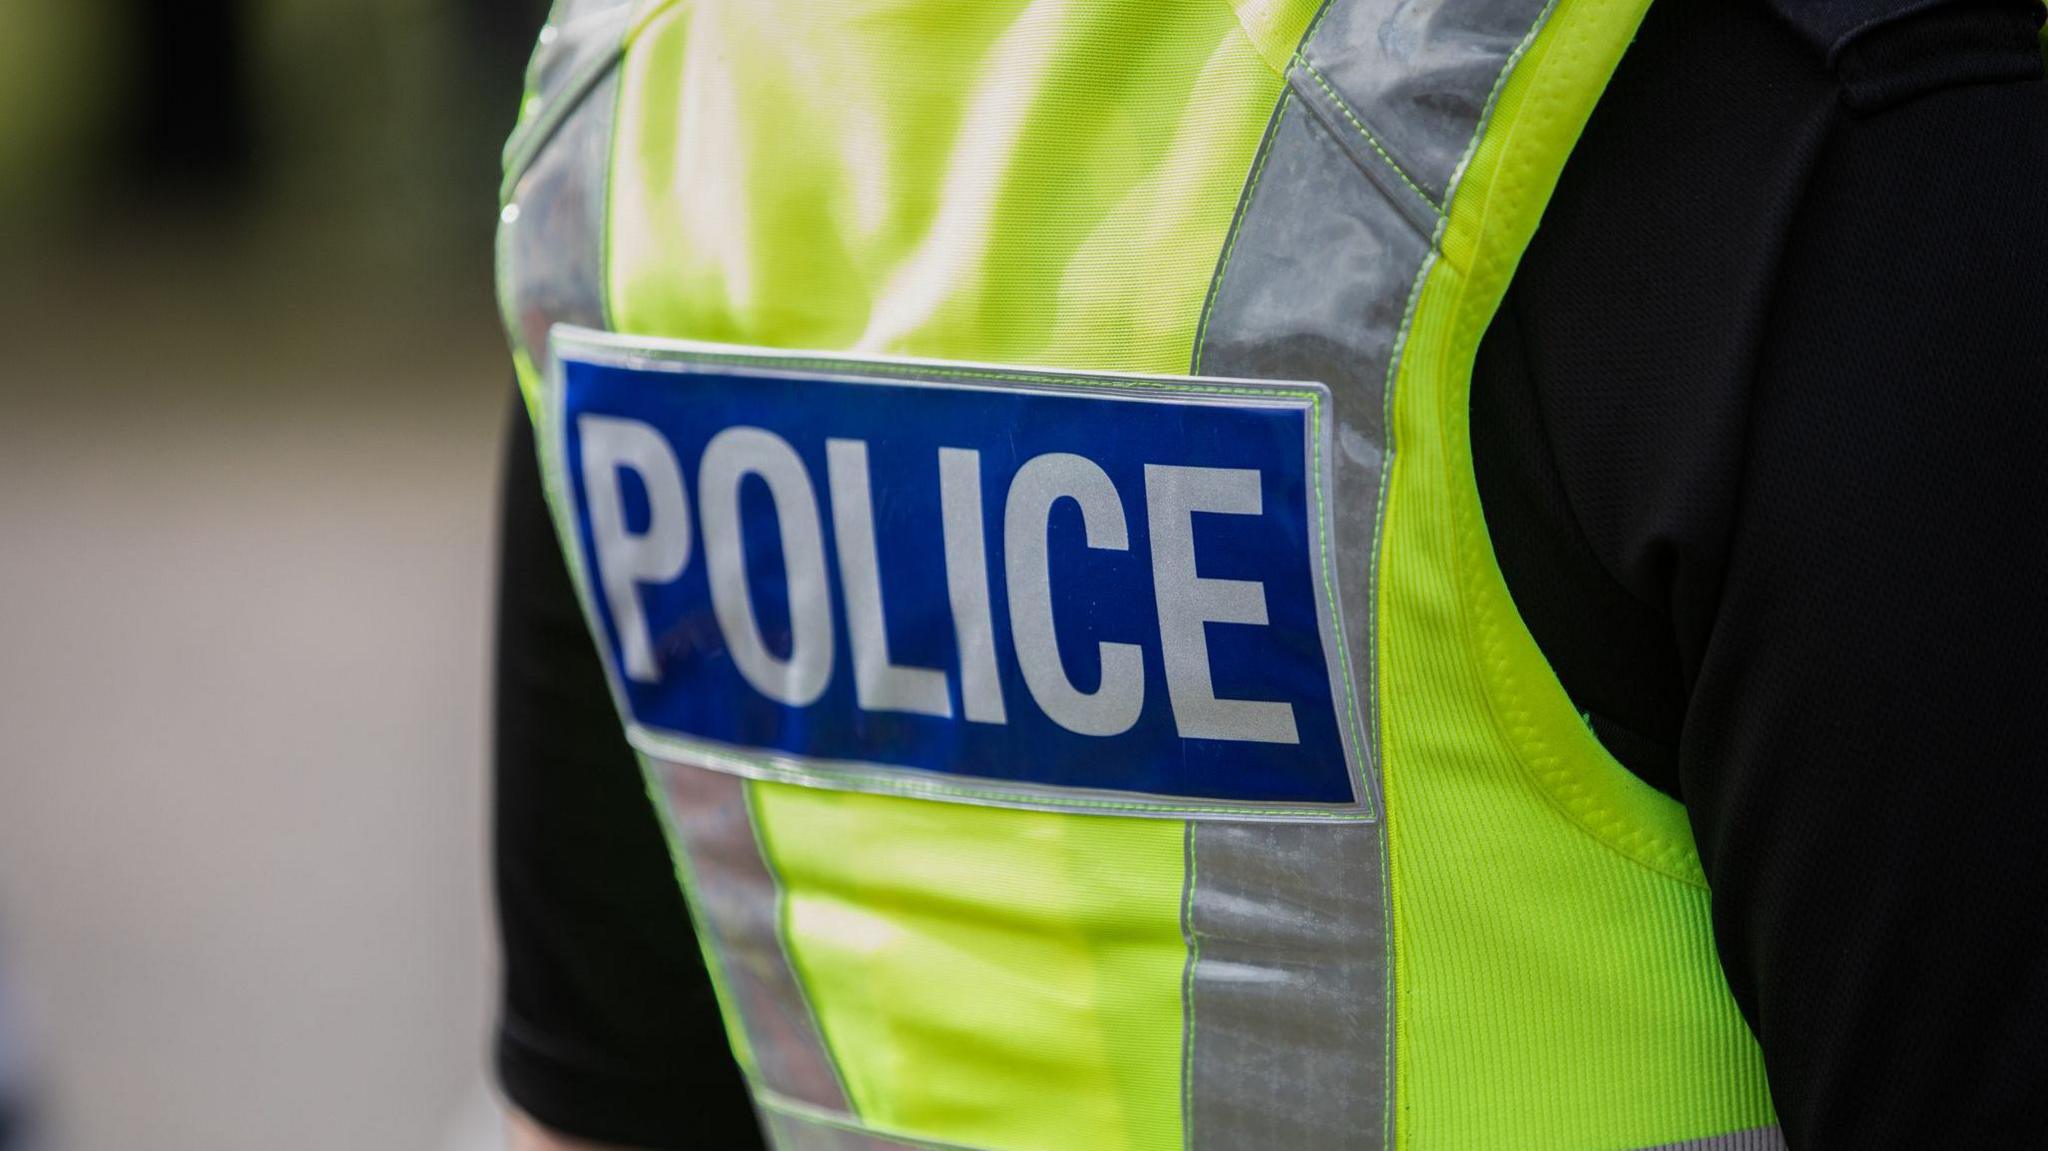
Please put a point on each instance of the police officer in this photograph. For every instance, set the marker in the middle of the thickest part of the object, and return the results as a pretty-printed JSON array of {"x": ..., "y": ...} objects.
[{"x": 1150, "y": 604}]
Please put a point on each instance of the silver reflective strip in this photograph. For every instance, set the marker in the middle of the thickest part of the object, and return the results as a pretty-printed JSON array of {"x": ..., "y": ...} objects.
[
  {"x": 578, "y": 47},
  {"x": 1316, "y": 288},
  {"x": 550, "y": 259},
  {"x": 578, "y": 34},
  {"x": 1289, "y": 1011},
  {"x": 739, "y": 903},
  {"x": 1024, "y": 508},
  {"x": 1755, "y": 1139},
  {"x": 550, "y": 263},
  {"x": 1287, "y": 998},
  {"x": 1414, "y": 79},
  {"x": 787, "y": 1134},
  {"x": 1390, "y": 184}
]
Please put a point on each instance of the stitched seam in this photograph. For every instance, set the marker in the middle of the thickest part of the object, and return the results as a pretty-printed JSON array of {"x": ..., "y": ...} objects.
[
  {"x": 925, "y": 372},
  {"x": 1346, "y": 111},
  {"x": 1561, "y": 787},
  {"x": 669, "y": 745},
  {"x": 782, "y": 934},
  {"x": 1194, "y": 943},
  {"x": 1500, "y": 83},
  {"x": 1377, "y": 588},
  {"x": 527, "y": 142},
  {"x": 1299, "y": 46},
  {"x": 1388, "y": 394},
  {"x": 535, "y": 138},
  {"x": 1360, "y": 730},
  {"x": 684, "y": 750},
  {"x": 1328, "y": 555},
  {"x": 1237, "y": 228},
  {"x": 604, "y": 206},
  {"x": 1567, "y": 795},
  {"x": 1314, "y": 27},
  {"x": 1317, "y": 400}
]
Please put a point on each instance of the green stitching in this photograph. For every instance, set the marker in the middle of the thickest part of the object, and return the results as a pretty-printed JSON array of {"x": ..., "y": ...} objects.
[
  {"x": 1370, "y": 139},
  {"x": 1561, "y": 787},
  {"x": 1500, "y": 83},
  {"x": 782, "y": 934},
  {"x": 530, "y": 137},
  {"x": 1379, "y": 532},
  {"x": 1237, "y": 227},
  {"x": 856, "y": 780},
  {"x": 527, "y": 143},
  {"x": 1359, "y": 731},
  {"x": 888, "y": 371},
  {"x": 679, "y": 747},
  {"x": 1314, "y": 26},
  {"x": 1330, "y": 574},
  {"x": 1387, "y": 400},
  {"x": 1187, "y": 989},
  {"x": 1315, "y": 397},
  {"x": 708, "y": 937},
  {"x": 604, "y": 205}
]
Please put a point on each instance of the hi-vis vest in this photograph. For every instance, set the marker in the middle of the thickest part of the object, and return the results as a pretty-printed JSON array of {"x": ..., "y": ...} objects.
[{"x": 1014, "y": 459}]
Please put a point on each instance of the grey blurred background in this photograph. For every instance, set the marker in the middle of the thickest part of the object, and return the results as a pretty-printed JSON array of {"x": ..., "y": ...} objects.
[{"x": 251, "y": 386}]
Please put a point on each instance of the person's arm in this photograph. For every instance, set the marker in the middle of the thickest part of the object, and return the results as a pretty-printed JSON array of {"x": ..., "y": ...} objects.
[
  {"x": 1865, "y": 754},
  {"x": 609, "y": 1030},
  {"x": 1759, "y": 433}
]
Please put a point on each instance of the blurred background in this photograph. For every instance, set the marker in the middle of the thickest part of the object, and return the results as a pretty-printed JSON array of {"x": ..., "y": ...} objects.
[{"x": 251, "y": 386}]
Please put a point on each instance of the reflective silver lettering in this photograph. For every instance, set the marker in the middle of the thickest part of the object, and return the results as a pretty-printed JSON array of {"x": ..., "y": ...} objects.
[
  {"x": 626, "y": 560},
  {"x": 981, "y": 686},
  {"x": 730, "y": 457},
  {"x": 878, "y": 684},
  {"x": 1114, "y": 705},
  {"x": 1188, "y": 602}
]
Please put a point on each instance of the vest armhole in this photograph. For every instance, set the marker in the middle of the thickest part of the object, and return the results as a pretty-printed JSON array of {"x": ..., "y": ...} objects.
[{"x": 1499, "y": 199}]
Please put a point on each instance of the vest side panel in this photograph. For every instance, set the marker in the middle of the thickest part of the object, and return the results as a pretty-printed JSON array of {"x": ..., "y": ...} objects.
[
  {"x": 1311, "y": 286},
  {"x": 1556, "y": 975},
  {"x": 1317, "y": 282}
]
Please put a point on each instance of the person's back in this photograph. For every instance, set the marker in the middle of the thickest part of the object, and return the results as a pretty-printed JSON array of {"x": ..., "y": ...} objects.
[{"x": 1039, "y": 513}]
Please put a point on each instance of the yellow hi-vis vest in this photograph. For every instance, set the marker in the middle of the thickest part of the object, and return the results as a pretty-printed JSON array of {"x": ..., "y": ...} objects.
[{"x": 1014, "y": 458}]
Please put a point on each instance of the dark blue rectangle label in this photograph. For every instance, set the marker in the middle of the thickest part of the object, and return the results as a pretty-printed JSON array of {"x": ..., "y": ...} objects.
[{"x": 962, "y": 579}]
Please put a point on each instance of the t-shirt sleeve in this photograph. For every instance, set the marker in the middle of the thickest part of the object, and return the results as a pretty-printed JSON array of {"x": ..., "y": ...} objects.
[
  {"x": 1865, "y": 751},
  {"x": 1759, "y": 433},
  {"x": 609, "y": 1029}
]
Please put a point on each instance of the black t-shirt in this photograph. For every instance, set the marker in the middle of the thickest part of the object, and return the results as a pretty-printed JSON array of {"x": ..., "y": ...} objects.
[{"x": 1759, "y": 432}]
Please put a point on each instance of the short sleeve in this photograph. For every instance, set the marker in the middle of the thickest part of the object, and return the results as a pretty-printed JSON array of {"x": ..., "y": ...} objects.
[
  {"x": 609, "y": 1029},
  {"x": 1863, "y": 755}
]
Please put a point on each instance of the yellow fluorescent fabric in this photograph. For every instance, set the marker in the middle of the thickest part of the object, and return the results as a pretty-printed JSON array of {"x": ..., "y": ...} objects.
[
  {"x": 1548, "y": 906},
  {"x": 1008, "y": 978},
  {"x": 1049, "y": 183},
  {"x": 1041, "y": 183},
  {"x": 1045, "y": 183}
]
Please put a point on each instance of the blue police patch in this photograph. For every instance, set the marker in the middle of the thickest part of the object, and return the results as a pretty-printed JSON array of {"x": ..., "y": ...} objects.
[{"x": 1074, "y": 591}]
